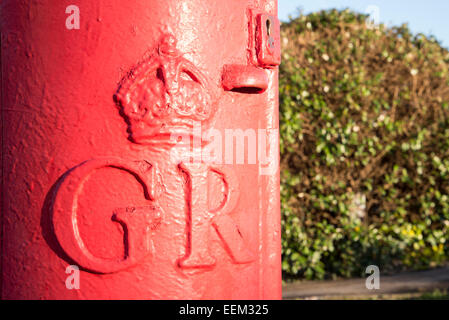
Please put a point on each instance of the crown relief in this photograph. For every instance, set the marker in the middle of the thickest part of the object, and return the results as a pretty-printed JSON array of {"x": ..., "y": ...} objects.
[{"x": 164, "y": 95}]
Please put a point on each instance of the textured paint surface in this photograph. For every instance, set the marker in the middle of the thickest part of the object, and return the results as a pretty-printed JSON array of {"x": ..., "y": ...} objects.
[{"x": 87, "y": 174}]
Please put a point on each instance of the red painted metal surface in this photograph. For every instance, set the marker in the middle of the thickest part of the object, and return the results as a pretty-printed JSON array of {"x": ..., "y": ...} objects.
[{"x": 105, "y": 132}]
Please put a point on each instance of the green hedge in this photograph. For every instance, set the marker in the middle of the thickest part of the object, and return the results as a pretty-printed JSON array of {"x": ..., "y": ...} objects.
[{"x": 364, "y": 145}]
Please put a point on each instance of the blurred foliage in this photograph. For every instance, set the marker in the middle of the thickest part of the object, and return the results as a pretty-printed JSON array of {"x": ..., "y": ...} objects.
[
  {"x": 364, "y": 122},
  {"x": 435, "y": 295}
]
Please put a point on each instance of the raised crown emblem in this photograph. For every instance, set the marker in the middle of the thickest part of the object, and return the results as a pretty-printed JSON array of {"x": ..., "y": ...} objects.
[{"x": 163, "y": 95}]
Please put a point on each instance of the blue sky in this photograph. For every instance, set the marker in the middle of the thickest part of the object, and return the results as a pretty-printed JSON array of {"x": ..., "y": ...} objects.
[{"x": 430, "y": 17}]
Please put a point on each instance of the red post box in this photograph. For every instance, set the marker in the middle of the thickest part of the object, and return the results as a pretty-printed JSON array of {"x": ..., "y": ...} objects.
[{"x": 140, "y": 150}]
